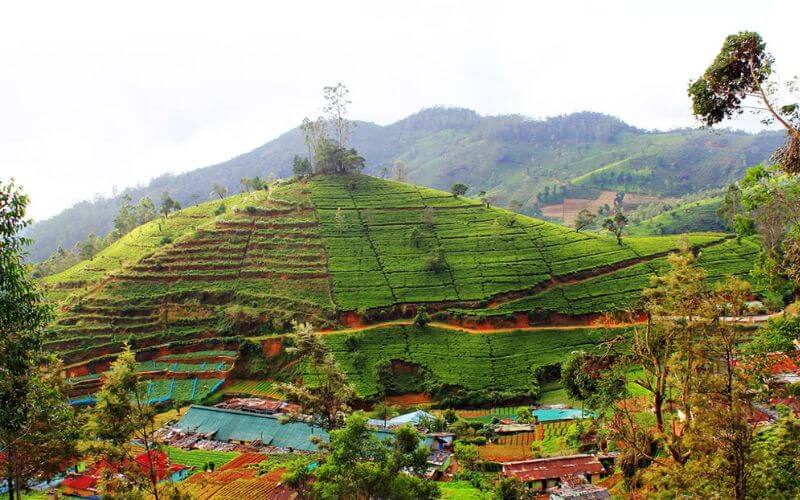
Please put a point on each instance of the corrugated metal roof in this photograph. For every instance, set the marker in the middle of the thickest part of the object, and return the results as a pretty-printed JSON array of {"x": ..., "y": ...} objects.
[{"x": 234, "y": 425}]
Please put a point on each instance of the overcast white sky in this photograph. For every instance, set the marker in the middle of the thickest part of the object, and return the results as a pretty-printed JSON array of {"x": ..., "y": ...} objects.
[{"x": 95, "y": 94}]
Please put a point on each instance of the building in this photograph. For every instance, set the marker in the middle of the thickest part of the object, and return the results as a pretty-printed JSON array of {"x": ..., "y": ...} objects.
[
  {"x": 544, "y": 473},
  {"x": 414, "y": 418},
  {"x": 236, "y": 426},
  {"x": 577, "y": 488},
  {"x": 86, "y": 484}
]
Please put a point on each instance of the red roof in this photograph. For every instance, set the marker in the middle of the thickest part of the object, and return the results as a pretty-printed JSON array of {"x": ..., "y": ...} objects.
[
  {"x": 780, "y": 362},
  {"x": 82, "y": 482},
  {"x": 553, "y": 468}
]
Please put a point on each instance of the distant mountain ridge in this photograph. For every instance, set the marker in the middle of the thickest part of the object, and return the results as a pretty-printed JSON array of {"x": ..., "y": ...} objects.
[{"x": 511, "y": 156}]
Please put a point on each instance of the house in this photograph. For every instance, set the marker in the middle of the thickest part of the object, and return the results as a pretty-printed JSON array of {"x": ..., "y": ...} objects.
[
  {"x": 578, "y": 488},
  {"x": 80, "y": 485},
  {"x": 236, "y": 426},
  {"x": 544, "y": 473},
  {"x": 413, "y": 418},
  {"x": 86, "y": 485}
]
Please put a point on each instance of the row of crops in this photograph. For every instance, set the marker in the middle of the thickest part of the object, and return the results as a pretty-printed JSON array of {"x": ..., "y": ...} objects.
[
  {"x": 492, "y": 361},
  {"x": 621, "y": 290},
  {"x": 180, "y": 391},
  {"x": 393, "y": 243},
  {"x": 253, "y": 253},
  {"x": 261, "y": 388}
]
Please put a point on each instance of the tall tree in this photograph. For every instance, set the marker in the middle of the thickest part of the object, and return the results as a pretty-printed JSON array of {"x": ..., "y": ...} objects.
[
  {"x": 168, "y": 205},
  {"x": 335, "y": 109},
  {"x": 360, "y": 465},
  {"x": 615, "y": 225},
  {"x": 585, "y": 219},
  {"x": 741, "y": 72},
  {"x": 145, "y": 210},
  {"x": 35, "y": 420},
  {"x": 123, "y": 413},
  {"x": 326, "y": 398}
]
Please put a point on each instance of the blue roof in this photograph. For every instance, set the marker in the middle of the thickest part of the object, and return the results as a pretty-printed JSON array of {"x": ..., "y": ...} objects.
[
  {"x": 412, "y": 418},
  {"x": 235, "y": 425}
]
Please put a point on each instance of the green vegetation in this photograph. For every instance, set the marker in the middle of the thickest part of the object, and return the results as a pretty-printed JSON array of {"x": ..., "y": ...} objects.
[
  {"x": 689, "y": 217},
  {"x": 488, "y": 366}
]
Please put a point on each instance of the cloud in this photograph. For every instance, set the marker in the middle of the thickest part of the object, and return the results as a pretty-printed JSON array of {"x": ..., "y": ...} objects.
[{"x": 95, "y": 94}]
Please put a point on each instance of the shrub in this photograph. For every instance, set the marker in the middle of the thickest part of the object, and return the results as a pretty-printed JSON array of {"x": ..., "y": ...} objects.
[
  {"x": 165, "y": 240},
  {"x": 250, "y": 209},
  {"x": 220, "y": 209}
]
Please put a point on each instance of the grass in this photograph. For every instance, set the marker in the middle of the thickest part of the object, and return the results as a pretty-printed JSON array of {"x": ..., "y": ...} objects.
[{"x": 462, "y": 490}]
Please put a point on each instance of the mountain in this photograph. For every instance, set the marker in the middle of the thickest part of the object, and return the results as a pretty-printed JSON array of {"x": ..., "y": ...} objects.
[
  {"x": 513, "y": 157},
  {"x": 341, "y": 251}
]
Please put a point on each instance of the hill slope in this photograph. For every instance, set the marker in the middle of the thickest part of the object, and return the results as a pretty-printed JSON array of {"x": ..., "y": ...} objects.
[
  {"x": 511, "y": 156},
  {"x": 346, "y": 249}
]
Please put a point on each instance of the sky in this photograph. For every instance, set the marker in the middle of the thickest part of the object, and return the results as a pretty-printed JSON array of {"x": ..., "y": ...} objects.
[{"x": 97, "y": 94}]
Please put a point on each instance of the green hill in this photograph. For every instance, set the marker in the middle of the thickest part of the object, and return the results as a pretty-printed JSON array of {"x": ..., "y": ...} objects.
[
  {"x": 341, "y": 250},
  {"x": 512, "y": 157},
  {"x": 688, "y": 217}
]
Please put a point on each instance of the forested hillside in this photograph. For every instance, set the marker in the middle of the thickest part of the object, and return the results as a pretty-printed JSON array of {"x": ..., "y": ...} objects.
[{"x": 511, "y": 157}]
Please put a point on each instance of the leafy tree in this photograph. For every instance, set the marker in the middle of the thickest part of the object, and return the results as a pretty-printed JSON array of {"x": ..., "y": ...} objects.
[
  {"x": 459, "y": 189},
  {"x": 145, "y": 211},
  {"x": 384, "y": 412},
  {"x": 301, "y": 166},
  {"x": 219, "y": 190},
  {"x": 298, "y": 477},
  {"x": 168, "y": 205},
  {"x": 360, "y": 465},
  {"x": 331, "y": 158},
  {"x": 246, "y": 184},
  {"x": 327, "y": 398},
  {"x": 123, "y": 413},
  {"x": 510, "y": 488},
  {"x": 466, "y": 455},
  {"x": 36, "y": 424},
  {"x": 422, "y": 318},
  {"x": 742, "y": 70},
  {"x": 126, "y": 217},
  {"x": 90, "y": 246},
  {"x": 584, "y": 219},
  {"x": 615, "y": 225},
  {"x": 515, "y": 205}
]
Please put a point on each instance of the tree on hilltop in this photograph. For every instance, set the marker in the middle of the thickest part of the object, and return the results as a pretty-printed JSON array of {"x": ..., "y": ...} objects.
[
  {"x": 168, "y": 205},
  {"x": 459, "y": 189}
]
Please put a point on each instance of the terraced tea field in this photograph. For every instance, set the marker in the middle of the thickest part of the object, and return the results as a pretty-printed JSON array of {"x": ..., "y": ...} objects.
[
  {"x": 382, "y": 238},
  {"x": 476, "y": 362},
  {"x": 351, "y": 249},
  {"x": 259, "y": 264}
]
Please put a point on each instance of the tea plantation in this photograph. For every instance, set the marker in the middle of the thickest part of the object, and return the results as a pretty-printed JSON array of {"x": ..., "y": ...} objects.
[{"x": 325, "y": 249}]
